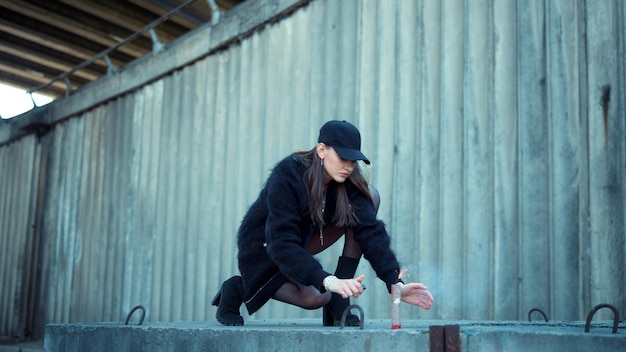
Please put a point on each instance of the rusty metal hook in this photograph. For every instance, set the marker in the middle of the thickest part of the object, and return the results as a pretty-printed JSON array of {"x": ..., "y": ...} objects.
[
  {"x": 143, "y": 314},
  {"x": 545, "y": 317},
  {"x": 595, "y": 309},
  {"x": 347, "y": 311}
]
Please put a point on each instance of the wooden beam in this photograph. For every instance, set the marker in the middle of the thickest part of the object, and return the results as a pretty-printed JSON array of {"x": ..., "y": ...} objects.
[
  {"x": 53, "y": 18},
  {"x": 129, "y": 16},
  {"x": 49, "y": 40},
  {"x": 45, "y": 59},
  {"x": 190, "y": 18},
  {"x": 27, "y": 82},
  {"x": 35, "y": 72}
]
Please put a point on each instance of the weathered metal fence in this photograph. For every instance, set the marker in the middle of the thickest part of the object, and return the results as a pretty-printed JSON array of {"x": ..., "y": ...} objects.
[{"x": 496, "y": 131}]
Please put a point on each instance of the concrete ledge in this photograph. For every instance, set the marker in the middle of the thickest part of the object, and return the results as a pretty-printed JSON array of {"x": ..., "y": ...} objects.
[
  {"x": 309, "y": 335},
  {"x": 30, "y": 346}
]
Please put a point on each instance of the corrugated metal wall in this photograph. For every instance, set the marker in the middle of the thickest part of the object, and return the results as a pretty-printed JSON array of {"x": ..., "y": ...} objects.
[
  {"x": 500, "y": 160},
  {"x": 19, "y": 206}
]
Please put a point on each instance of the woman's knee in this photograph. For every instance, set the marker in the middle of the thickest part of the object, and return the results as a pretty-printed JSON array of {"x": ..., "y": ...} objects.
[
  {"x": 307, "y": 297},
  {"x": 315, "y": 300}
]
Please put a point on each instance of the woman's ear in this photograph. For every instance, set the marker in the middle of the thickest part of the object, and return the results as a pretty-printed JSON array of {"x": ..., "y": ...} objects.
[{"x": 321, "y": 150}]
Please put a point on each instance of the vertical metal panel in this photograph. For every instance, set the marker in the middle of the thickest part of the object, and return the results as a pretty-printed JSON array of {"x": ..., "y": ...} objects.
[
  {"x": 621, "y": 127},
  {"x": 365, "y": 117},
  {"x": 563, "y": 91},
  {"x": 19, "y": 163},
  {"x": 201, "y": 247},
  {"x": 450, "y": 248},
  {"x": 533, "y": 155},
  {"x": 383, "y": 136},
  {"x": 428, "y": 156},
  {"x": 405, "y": 173},
  {"x": 506, "y": 163},
  {"x": 477, "y": 161},
  {"x": 149, "y": 194},
  {"x": 6, "y": 253},
  {"x": 499, "y": 186},
  {"x": 606, "y": 189}
]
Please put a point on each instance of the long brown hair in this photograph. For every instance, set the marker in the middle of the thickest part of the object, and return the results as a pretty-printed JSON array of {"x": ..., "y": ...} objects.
[{"x": 314, "y": 179}]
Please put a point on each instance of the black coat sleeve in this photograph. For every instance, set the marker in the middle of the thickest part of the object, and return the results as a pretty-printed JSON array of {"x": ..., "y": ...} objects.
[{"x": 373, "y": 239}]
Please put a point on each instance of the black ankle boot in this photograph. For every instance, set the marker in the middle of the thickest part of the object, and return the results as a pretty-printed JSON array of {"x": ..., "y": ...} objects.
[
  {"x": 228, "y": 300},
  {"x": 346, "y": 267}
]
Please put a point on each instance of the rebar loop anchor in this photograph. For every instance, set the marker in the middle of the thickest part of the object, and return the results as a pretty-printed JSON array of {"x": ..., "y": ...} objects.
[
  {"x": 545, "y": 317},
  {"x": 143, "y": 314},
  {"x": 347, "y": 311},
  {"x": 595, "y": 309}
]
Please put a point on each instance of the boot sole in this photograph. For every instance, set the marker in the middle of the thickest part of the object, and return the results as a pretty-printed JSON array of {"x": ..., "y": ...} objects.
[{"x": 229, "y": 322}]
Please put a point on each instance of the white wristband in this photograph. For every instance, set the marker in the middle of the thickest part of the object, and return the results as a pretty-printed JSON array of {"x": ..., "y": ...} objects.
[{"x": 328, "y": 280}]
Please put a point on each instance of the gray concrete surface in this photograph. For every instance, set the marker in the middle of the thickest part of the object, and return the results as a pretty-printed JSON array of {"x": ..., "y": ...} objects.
[
  {"x": 309, "y": 335},
  {"x": 22, "y": 346}
]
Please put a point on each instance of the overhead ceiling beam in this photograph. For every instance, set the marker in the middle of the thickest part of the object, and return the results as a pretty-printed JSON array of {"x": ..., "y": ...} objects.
[
  {"x": 106, "y": 38},
  {"x": 191, "y": 17},
  {"x": 56, "y": 90},
  {"x": 129, "y": 16},
  {"x": 47, "y": 39},
  {"x": 33, "y": 77},
  {"x": 44, "y": 59},
  {"x": 36, "y": 71}
]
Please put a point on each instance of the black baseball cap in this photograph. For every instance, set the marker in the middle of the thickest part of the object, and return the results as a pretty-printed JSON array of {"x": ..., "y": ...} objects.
[{"x": 344, "y": 138}]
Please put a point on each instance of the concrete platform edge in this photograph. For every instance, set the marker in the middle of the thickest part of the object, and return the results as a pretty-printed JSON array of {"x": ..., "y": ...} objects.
[{"x": 309, "y": 335}]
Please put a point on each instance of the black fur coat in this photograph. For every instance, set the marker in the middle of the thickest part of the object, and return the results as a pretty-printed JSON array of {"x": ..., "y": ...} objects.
[{"x": 274, "y": 233}]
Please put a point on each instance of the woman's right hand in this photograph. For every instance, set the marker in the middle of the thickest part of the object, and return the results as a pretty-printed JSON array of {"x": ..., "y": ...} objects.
[
  {"x": 347, "y": 287},
  {"x": 417, "y": 294}
]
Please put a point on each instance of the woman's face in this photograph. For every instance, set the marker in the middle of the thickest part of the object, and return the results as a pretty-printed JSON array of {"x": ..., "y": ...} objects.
[{"x": 335, "y": 167}]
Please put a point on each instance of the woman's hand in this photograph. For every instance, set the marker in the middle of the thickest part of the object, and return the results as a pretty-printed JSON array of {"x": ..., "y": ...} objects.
[
  {"x": 347, "y": 287},
  {"x": 417, "y": 294}
]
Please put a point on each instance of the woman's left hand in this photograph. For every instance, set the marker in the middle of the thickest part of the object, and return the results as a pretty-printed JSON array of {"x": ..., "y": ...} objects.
[{"x": 417, "y": 294}]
